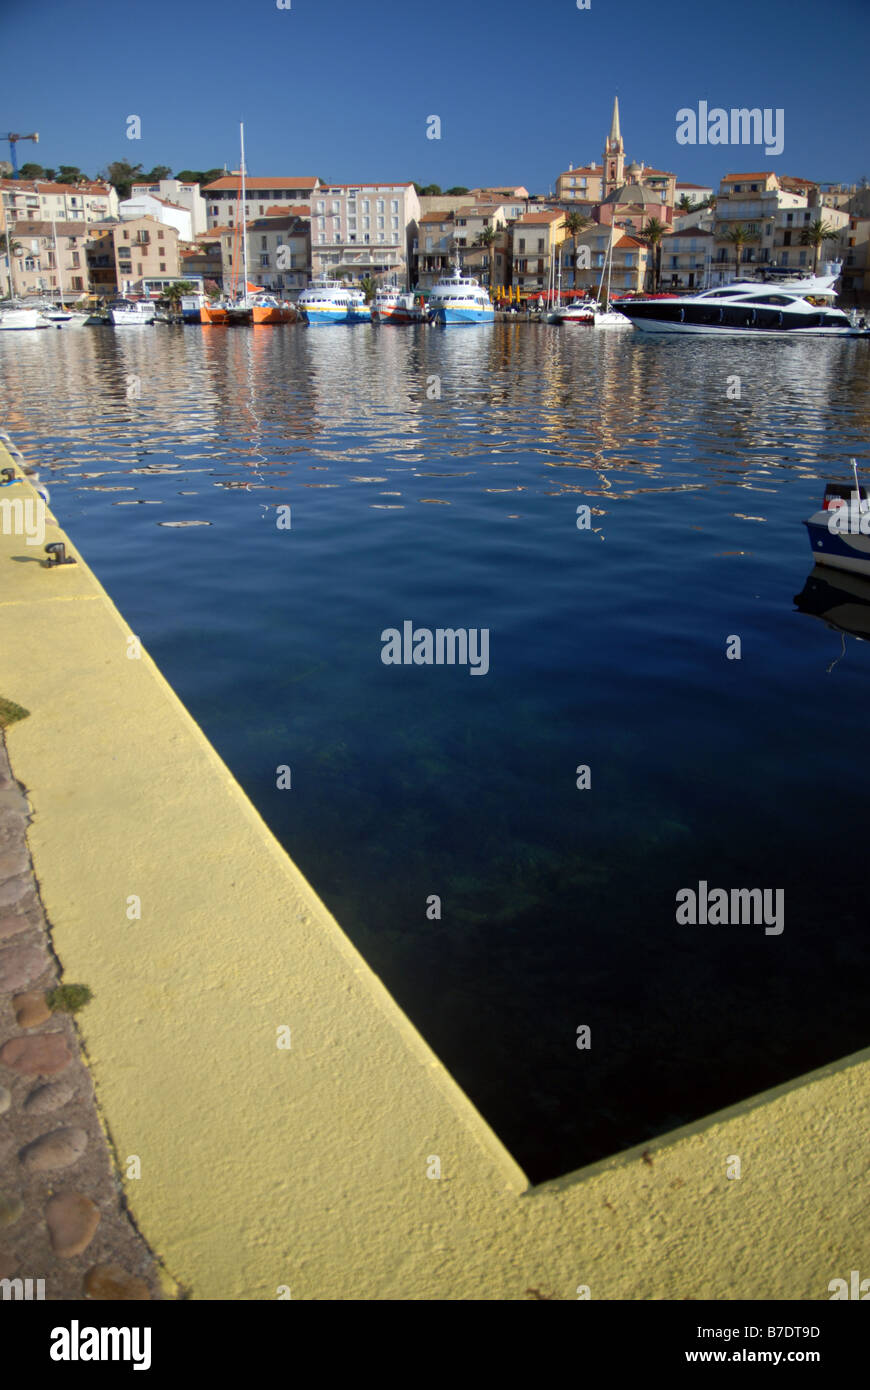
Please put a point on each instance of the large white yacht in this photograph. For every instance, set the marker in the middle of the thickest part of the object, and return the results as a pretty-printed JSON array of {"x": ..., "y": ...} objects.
[
  {"x": 780, "y": 308},
  {"x": 459, "y": 298}
]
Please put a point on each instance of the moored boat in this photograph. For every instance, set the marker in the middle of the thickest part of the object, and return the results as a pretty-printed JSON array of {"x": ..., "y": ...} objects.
[
  {"x": 325, "y": 301},
  {"x": 459, "y": 298},
  {"x": 130, "y": 313},
  {"x": 392, "y": 305},
  {"x": 360, "y": 311},
  {"x": 785, "y": 308},
  {"x": 839, "y": 532},
  {"x": 17, "y": 320},
  {"x": 265, "y": 308}
]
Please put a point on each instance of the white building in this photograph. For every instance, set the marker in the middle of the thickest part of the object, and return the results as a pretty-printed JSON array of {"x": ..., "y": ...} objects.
[
  {"x": 34, "y": 200},
  {"x": 150, "y": 205},
  {"x": 360, "y": 229},
  {"x": 185, "y": 195}
]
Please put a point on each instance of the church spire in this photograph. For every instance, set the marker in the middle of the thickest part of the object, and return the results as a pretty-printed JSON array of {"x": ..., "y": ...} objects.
[{"x": 614, "y": 124}]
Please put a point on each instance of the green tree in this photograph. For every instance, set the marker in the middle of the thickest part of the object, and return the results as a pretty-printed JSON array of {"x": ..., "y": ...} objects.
[
  {"x": 121, "y": 175},
  {"x": 458, "y": 191},
  {"x": 815, "y": 235},
  {"x": 32, "y": 171},
  {"x": 652, "y": 234},
  {"x": 576, "y": 222},
  {"x": 173, "y": 293},
  {"x": 486, "y": 237},
  {"x": 367, "y": 285},
  {"x": 685, "y": 203},
  {"x": 160, "y": 171},
  {"x": 738, "y": 236},
  {"x": 69, "y": 173},
  {"x": 429, "y": 190},
  {"x": 199, "y": 176}
]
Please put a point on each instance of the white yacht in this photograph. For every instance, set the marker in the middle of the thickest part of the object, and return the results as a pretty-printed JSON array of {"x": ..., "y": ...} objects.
[
  {"x": 770, "y": 309},
  {"x": 459, "y": 298},
  {"x": 325, "y": 301},
  {"x": 16, "y": 319},
  {"x": 131, "y": 313}
]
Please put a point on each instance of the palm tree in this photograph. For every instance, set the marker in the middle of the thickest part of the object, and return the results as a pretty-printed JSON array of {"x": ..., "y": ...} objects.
[
  {"x": 814, "y": 235},
  {"x": 653, "y": 233},
  {"x": 685, "y": 203},
  {"x": 575, "y": 223},
  {"x": 367, "y": 285},
  {"x": 485, "y": 237},
  {"x": 738, "y": 236},
  {"x": 175, "y": 291}
]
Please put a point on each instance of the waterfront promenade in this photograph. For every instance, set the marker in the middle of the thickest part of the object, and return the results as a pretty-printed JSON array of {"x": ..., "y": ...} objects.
[{"x": 278, "y": 1126}]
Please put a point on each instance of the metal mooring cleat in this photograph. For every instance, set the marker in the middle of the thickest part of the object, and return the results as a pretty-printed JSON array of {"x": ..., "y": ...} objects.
[{"x": 56, "y": 552}]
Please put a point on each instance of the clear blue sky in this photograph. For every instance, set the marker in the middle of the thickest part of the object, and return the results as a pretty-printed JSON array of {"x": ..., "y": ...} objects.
[{"x": 522, "y": 87}]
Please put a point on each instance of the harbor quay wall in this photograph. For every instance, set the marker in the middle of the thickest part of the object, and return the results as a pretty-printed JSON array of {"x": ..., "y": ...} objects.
[{"x": 295, "y": 1135}]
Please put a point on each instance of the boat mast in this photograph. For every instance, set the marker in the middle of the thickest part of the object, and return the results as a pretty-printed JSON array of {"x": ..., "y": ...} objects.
[
  {"x": 244, "y": 214},
  {"x": 57, "y": 259}
]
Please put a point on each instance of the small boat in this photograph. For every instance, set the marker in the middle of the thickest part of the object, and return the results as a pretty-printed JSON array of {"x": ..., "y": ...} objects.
[
  {"x": 214, "y": 311},
  {"x": 839, "y": 532},
  {"x": 17, "y": 320},
  {"x": 392, "y": 305},
  {"x": 131, "y": 313},
  {"x": 325, "y": 301},
  {"x": 581, "y": 311},
  {"x": 265, "y": 308},
  {"x": 459, "y": 298}
]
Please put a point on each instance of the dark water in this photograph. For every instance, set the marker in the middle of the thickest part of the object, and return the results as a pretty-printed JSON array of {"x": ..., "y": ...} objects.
[{"x": 607, "y": 648}]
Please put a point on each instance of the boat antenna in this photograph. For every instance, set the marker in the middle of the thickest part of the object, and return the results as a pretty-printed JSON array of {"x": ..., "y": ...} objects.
[{"x": 857, "y": 485}]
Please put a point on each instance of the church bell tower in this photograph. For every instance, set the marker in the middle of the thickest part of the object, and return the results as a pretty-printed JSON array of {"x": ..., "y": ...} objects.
[{"x": 614, "y": 154}]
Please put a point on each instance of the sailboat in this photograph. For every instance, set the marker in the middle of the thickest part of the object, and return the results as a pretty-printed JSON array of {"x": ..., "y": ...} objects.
[{"x": 608, "y": 317}]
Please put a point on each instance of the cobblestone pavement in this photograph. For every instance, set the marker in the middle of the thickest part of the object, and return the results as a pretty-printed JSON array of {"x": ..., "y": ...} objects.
[{"x": 62, "y": 1214}]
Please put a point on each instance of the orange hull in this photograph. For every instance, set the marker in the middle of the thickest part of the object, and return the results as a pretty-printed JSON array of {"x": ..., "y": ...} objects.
[
  {"x": 264, "y": 313},
  {"x": 207, "y": 314}
]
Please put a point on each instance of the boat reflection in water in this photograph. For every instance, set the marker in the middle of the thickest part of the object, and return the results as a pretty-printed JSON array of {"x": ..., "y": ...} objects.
[{"x": 841, "y": 600}]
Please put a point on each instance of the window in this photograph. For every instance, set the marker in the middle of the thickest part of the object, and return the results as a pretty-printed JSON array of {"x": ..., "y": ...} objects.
[
  {"x": 264, "y": 242},
  {"x": 336, "y": 206},
  {"x": 126, "y": 236},
  {"x": 381, "y": 238},
  {"x": 395, "y": 224},
  {"x": 380, "y": 204},
  {"x": 160, "y": 236},
  {"x": 163, "y": 267},
  {"x": 365, "y": 205},
  {"x": 321, "y": 206},
  {"x": 264, "y": 262},
  {"x": 540, "y": 243},
  {"x": 394, "y": 205}
]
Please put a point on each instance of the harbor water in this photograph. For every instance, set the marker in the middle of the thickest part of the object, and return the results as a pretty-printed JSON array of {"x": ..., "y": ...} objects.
[{"x": 353, "y": 479}]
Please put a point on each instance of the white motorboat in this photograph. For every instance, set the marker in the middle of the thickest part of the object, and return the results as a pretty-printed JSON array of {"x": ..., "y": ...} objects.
[
  {"x": 771, "y": 309},
  {"x": 16, "y": 319},
  {"x": 393, "y": 305},
  {"x": 325, "y": 301},
  {"x": 130, "y": 313}
]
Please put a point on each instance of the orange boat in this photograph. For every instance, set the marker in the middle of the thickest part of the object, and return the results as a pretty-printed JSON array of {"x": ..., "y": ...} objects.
[
  {"x": 213, "y": 313},
  {"x": 267, "y": 309}
]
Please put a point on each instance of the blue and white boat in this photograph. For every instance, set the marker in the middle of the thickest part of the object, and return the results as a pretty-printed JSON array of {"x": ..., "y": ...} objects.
[
  {"x": 325, "y": 301},
  {"x": 840, "y": 532},
  {"x": 459, "y": 298}
]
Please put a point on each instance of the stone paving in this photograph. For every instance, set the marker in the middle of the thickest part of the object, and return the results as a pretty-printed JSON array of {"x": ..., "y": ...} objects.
[{"x": 62, "y": 1214}]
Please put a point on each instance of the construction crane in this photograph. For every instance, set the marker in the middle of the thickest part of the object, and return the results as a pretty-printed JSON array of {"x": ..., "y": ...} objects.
[{"x": 13, "y": 139}]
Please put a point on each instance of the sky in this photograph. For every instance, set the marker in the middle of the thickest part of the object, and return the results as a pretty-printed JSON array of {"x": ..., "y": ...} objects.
[{"x": 344, "y": 90}]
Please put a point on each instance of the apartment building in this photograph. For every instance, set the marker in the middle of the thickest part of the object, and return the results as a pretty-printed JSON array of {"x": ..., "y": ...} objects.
[
  {"x": 694, "y": 192},
  {"x": 773, "y": 210},
  {"x": 534, "y": 239},
  {"x": 630, "y": 261},
  {"x": 364, "y": 229},
  {"x": 33, "y": 200},
  {"x": 222, "y": 196},
  {"x": 686, "y": 259},
  {"x": 279, "y": 255},
  {"x": 121, "y": 255},
  {"x": 48, "y": 260},
  {"x": 177, "y": 194}
]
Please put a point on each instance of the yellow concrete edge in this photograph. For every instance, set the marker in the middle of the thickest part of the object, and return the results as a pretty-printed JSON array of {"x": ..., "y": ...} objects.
[{"x": 305, "y": 1168}]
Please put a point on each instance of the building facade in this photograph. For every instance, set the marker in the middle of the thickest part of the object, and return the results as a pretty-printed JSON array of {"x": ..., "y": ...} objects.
[
  {"x": 535, "y": 241},
  {"x": 150, "y": 205},
  {"x": 179, "y": 194},
  {"x": 49, "y": 260},
  {"x": 122, "y": 255},
  {"x": 222, "y": 196},
  {"x": 364, "y": 229},
  {"x": 32, "y": 200},
  {"x": 279, "y": 255}
]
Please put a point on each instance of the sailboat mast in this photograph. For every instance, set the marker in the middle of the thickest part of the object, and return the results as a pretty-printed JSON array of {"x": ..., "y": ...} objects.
[
  {"x": 57, "y": 259},
  {"x": 244, "y": 212}
]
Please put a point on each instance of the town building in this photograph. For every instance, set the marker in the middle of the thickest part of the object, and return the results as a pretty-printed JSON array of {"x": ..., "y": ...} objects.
[
  {"x": 49, "y": 260},
  {"x": 588, "y": 185},
  {"x": 434, "y": 247},
  {"x": 686, "y": 256},
  {"x": 364, "y": 229},
  {"x": 535, "y": 239},
  {"x": 222, "y": 196},
  {"x": 694, "y": 193},
  {"x": 34, "y": 200},
  {"x": 773, "y": 211},
  {"x": 630, "y": 260},
  {"x": 123, "y": 255},
  {"x": 161, "y": 210},
  {"x": 279, "y": 255},
  {"x": 178, "y": 194}
]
